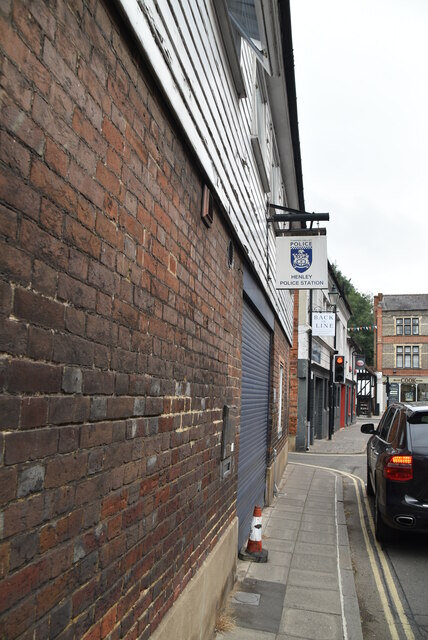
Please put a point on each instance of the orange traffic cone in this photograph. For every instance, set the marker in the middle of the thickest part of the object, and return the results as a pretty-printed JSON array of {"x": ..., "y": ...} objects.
[
  {"x": 254, "y": 551},
  {"x": 255, "y": 539}
]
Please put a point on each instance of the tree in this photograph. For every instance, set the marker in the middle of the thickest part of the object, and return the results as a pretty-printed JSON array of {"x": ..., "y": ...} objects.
[{"x": 362, "y": 314}]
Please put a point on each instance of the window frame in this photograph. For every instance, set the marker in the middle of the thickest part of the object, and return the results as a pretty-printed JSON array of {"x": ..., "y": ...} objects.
[
  {"x": 262, "y": 138},
  {"x": 407, "y": 326},
  {"x": 407, "y": 356}
]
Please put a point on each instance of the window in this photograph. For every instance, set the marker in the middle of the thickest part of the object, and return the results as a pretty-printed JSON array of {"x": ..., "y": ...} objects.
[
  {"x": 407, "y": 357},
  {"x": 396, "y": 432},
  {"x": 247, "y": 18},
  {"x": 242, "y": 19},
  {"x": 407, "y": 326},
  {"x": 261, "y": 130},
  {"x": 385, "y": 423}
]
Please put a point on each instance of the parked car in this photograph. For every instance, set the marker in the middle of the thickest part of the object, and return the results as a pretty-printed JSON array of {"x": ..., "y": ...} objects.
[{"x": 397, "y": 469}]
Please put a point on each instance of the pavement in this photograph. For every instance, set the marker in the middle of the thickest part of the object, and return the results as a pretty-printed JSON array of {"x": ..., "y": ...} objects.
[{"x": 306, "y": 589}]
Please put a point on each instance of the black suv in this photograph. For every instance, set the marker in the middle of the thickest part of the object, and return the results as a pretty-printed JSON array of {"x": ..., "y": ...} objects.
[{"x": 397, "y": 469}]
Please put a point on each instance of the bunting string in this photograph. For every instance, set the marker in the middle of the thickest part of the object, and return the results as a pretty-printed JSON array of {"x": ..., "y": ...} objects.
[{"x": 364, "y": 328}]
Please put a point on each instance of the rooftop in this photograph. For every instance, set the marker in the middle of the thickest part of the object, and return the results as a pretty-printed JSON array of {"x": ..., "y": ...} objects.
[{"x": 405, "y": 302}]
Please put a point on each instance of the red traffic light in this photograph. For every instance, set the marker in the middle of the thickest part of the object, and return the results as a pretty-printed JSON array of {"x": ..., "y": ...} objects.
[{"x": 339, "y": 369}]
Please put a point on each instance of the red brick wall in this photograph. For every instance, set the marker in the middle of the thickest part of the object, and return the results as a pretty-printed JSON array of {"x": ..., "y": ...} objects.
[{"x": 120, "y": 324}]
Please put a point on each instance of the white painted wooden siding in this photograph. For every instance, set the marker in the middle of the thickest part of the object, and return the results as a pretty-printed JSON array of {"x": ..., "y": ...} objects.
[{"x": 180, "y": 38}]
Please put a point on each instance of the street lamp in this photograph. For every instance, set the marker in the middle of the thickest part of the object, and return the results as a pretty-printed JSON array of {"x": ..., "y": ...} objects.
[{"x": 333, "y": 296}]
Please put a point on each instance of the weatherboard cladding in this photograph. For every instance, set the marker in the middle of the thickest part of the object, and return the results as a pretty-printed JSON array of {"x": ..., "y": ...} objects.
[{"x": 182, "y": 42}]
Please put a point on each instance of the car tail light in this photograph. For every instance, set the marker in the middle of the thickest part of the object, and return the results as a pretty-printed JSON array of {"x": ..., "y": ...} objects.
[{"x": 398, "y": 468}]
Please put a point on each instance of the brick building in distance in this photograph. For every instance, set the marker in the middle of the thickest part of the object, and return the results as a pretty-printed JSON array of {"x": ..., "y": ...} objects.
[
  {"x": 401, "y": 347},
  {"x": 144, "y": 349}
]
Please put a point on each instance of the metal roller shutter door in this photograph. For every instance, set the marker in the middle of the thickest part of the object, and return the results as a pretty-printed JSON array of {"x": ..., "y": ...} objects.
[{"x": 254, "y": 419}]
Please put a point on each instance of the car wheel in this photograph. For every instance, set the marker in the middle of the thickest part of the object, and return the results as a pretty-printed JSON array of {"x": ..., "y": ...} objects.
[
  {"x": 382, "y": 531},
  {"x": 369, "y": 488}
]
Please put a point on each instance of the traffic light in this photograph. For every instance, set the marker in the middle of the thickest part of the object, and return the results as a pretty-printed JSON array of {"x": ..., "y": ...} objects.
[{"x": 339, "y": 369}]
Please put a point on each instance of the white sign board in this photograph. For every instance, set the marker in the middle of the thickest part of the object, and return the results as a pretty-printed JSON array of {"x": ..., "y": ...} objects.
[
  {"x": 301, "y": 262},
  {"x": 323, "y": 324}
]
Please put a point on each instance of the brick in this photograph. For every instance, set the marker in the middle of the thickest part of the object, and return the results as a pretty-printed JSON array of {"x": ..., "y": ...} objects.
[
  {"x": 28, "y": 28},
  {"x": 5, "y": 297},
  {"x": 4, "y": 559},
  {"x": 56, "y": 158},
  {"x": 53, "y": 187},
  {"x": 88, "y": 133},
  {"x": 14, "y": 264},
  {"x": 68, "y": 439},
  {"x": 82, "y": 238},
  {"x": 31, "y": 480},
  {"x": 78, "y": 265},
  {"x": 102, "y": 278},
  {"x": 17, "y": 586},
  {"x": 96, "y": 434},
  {"x": 98, "y": 409},
  {"x": 71, "y": 349},
  {"x": 44, "y": 115},
  {"x": 38, "y": 310},
  {"x": 14, "y": 154},
  {"x": 98, "y": 382},
  {"x": 120, "y": 407},
  {"x": 8, "y": 485},
  {"x": 68, "y": 410},
  {"x": 76, "y": 292},
  {"x": 30, "y": 445},
  {"x": 34, "y": 412},
  {"x": 19, "y": 619},
  {"x": 60, "y": 618},
  {"x": 44, "y": 278},
  {"x": 62, "y": 72},
  {"x": 43, "y": 245},
  {"x": 75, "y": 321},
  {"x": 52, "y": 594},
  {"x": 86, "y": 185},
  {"x": 108, "y": 230},
  {"x": 40, "y": 343},
  {"x": 113, "y": 136},
  {"x": 108, "y": 179},
  {"x": 9, "y": 412},
  {"x": 29, "y": 377},
  {"x": 62, "y": 106},
  {"x": 72, "y": 380},
  {"x": 44, "y": 17},
  {"x": 17, "y": 122},
  {"x": 19, "y": 195},
  {"x": 65, "y": 469}
]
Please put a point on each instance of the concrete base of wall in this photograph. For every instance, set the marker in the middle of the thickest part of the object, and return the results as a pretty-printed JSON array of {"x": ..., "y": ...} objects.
[
  {"x": 193, "y": 615},
  {"x": 291, "y": 443},
  {"x": 274, "y": 473}
]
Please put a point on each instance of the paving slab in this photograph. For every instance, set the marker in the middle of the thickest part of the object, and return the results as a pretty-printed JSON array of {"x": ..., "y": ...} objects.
[
  {"x": 268, "y": 614},
  {"x": 313, "y": 579},
  {"x": 310, "y": 599},
  {"x": 311, "y": 625}
]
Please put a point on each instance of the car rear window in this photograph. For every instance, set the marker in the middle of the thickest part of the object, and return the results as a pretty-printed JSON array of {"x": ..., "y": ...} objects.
[{"x": 418, "y": 422}]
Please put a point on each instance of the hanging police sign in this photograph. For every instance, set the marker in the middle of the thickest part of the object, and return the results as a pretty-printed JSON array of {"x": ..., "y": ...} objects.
[{"x": 301, "y": 262}]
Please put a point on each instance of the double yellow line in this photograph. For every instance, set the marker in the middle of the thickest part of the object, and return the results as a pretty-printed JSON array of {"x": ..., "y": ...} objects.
[{"x": 388, "y": 579}]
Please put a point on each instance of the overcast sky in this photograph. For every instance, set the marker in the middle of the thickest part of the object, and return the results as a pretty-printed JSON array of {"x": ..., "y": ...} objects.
[{"x": 362, "y": 95}]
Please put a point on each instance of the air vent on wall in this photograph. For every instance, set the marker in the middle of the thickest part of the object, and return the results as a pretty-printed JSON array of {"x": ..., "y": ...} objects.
[{"x": 207, "y": 212}]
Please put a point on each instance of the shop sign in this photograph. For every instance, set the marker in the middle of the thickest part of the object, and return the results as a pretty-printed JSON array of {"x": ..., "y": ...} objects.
[{"x": 323, "y": 324}]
